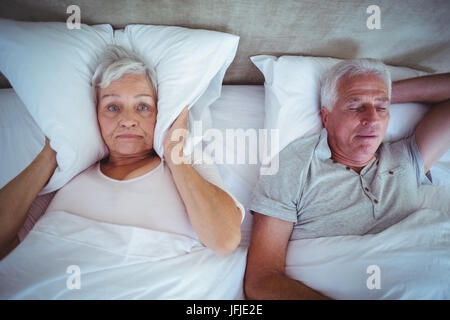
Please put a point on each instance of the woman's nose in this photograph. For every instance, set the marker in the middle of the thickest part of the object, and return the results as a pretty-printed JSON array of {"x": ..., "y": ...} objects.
[
  {"x": 128, "y": 120},
  {"x": 128, "y": 123}
]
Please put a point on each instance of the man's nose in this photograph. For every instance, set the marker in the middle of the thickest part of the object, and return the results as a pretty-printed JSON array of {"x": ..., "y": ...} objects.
[{"x": 370, "y": 116}]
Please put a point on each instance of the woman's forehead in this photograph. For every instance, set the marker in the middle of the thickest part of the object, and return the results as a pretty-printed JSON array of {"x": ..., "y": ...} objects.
[{"x": 128, "y": 85}]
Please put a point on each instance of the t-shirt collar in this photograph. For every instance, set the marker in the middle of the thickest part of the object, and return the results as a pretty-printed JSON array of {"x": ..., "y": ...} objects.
[{"x": 323, "y": 150}]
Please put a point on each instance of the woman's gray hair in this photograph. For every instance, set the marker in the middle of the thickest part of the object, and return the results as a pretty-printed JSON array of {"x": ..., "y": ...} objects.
[
  {"x": 115, "y": 61},
  {"x": 350, "y": 68}
]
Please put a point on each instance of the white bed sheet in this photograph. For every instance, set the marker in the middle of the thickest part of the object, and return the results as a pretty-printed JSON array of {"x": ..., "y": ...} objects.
[
  {"x": 240, "y": 107},
  {"x": 115, "y": 262},
  {"x": 409, "y": 260}
]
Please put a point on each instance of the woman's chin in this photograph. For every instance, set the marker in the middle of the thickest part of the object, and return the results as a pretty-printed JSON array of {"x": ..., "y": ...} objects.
[{"x": 130, "y": 152}]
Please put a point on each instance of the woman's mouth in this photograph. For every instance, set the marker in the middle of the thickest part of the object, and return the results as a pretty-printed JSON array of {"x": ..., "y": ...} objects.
[{"x": 128, "y": 136}]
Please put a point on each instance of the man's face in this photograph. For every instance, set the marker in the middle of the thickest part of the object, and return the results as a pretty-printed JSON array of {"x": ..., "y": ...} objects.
[
  {"x": 126, "y": 112},
  {"x": 358, "y": 121}
]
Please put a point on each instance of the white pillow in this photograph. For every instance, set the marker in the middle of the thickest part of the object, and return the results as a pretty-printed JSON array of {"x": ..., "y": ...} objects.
[
  {"x": 292, "y": 97},
  {"x": 50, "y": 68},
  {"x": 20, "y": 137},
  {"x": 190, "y": 65}
]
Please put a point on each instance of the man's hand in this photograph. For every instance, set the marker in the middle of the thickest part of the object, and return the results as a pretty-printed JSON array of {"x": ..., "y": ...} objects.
[
  {"x": 433, "y": 131},
  {"x": 265, "y": 276},
  {"x": 174, "y": 140}
]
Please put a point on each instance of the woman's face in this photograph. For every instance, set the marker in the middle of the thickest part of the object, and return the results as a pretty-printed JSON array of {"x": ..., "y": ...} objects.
[{"x": 126, "y": 112}]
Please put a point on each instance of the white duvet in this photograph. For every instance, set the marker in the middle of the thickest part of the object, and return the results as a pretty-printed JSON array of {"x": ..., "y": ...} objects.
[
  {"x": 409, "y": 260},
  {"x": 107, "y": 261}
]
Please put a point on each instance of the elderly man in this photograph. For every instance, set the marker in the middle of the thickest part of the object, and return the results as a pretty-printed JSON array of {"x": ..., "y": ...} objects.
[{"x": 345, "y": 181}]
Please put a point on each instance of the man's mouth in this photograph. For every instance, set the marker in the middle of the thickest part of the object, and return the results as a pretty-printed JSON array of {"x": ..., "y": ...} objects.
[{"x": 367, "y": 136}]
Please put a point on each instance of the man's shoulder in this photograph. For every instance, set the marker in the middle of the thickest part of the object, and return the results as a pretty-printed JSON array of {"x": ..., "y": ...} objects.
[
  {"x": 296, "y": 156},
  {"x": 398, "y": 148},
  {"x": 301, "y": 148}
]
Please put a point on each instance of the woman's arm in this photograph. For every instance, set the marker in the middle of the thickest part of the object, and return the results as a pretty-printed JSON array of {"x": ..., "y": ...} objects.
[
  {"x": 212, "y": 212},
  {"x": 17, "y": 196}
]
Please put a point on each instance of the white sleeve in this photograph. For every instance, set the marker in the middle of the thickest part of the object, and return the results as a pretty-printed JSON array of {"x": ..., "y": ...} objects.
[{"x": 210, "y": 173}]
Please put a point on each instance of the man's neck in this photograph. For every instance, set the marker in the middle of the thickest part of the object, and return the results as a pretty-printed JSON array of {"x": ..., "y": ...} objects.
[{"x": 355, "y": 165}]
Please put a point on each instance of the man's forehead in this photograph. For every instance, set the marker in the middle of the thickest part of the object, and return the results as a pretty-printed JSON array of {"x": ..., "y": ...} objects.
[
  {"x": 362, "y": 84},
  {"x": 369, "y": 81}
]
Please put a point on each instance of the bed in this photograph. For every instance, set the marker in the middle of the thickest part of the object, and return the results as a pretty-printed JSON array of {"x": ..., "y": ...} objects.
[
  {"x": 127, "y": 253},
  {"x": 129, "y": 264}
]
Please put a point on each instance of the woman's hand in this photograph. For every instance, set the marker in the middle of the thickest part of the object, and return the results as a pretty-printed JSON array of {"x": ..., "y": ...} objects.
[
  {"x": 17, "y": 196},
  {"x": 48, "y": 153},
  {"x": 174, "y": 140},
  {"x": 212, "y": 212}
]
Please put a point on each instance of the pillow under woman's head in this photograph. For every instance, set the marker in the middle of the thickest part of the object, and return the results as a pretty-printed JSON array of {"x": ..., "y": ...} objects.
[{"x": 51, "y": 67}]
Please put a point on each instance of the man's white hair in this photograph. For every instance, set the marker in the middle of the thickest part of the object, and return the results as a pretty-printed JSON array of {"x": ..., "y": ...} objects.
[
  {"x": 115, "y": 61},
  {"x": 350, "y": 68}
]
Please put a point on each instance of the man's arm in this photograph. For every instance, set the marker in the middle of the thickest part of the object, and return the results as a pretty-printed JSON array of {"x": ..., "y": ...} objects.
[
  {"x": 17, "y": 196},
  {"x": 433, "y": 131},
  {"x": 265, "y": 276}
]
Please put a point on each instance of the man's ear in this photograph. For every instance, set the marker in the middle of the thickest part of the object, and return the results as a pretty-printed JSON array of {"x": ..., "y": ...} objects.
[{"x": 324, "y": 115}]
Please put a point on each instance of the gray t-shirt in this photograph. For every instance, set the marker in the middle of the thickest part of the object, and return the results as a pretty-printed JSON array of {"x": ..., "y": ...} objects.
[{"x": 325, "y": 198}]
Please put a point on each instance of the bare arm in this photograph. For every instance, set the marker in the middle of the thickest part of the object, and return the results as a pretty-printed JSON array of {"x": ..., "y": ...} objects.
[
  {"x": 265, "y": 276},
  {"x": 427, "y": 89},
  {"x": 212, "y": 212},
  {"x": 433, "y": 131},
  {"x": 17, "y": 196}
]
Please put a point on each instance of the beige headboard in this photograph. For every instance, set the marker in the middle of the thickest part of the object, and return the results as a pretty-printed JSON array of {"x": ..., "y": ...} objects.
[{"x": 413, "y": 33}]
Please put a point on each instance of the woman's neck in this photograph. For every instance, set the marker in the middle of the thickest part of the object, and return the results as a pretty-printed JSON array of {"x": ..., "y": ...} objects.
[
  {"x": 119, "y": 160},
  {"x": 123, "y": 168}
]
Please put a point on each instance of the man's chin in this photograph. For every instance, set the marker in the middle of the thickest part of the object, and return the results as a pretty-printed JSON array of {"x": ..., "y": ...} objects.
[{"x": 369, "y": 148}]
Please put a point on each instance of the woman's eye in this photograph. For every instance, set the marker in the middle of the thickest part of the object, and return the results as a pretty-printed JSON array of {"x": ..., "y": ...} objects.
[
  {"x": 113, "y": 108},
  {"x": 142, "y": 107}
]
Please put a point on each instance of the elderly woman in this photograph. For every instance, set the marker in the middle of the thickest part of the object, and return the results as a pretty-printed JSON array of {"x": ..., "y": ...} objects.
[{"x": 133, "y": 185}]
